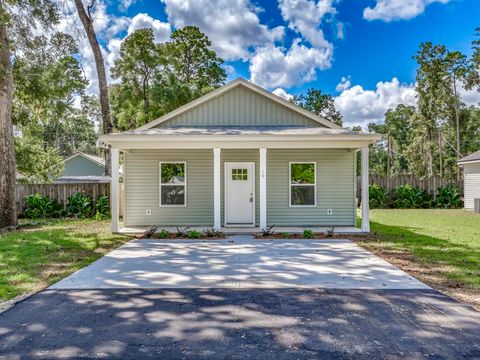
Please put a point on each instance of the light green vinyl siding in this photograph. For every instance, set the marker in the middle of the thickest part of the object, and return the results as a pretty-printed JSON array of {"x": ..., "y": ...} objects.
[
  {"x": 335, "y": 188},
  {"x": 240, "y": 107},
  {"x": 81, "y": 166},
  {"x": 243, "y": 155},
  {"x": 142, "y": 188}
]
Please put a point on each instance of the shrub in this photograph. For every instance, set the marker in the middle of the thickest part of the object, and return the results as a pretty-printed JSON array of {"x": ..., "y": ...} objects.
[
  {"x": 194, "y": 234},
  {"x": 330, "y": 232},
  {"x": 285, "y": 235},
  {"x": 80, "y": 205},
  {"x": 212, "y": 233},
  {"x": 411, "y": 198},
  {"x": 163, "y": 234},
  {"x": 38, "y": 206},
  {"x": 308, "y": 234},
  {"x": 449, "y": 197},
  {"x": 268, "y": 231},
  {"x": 182, "y": 232},
  {"x": 102, "y": 208},
  {"x": 378, "y": 197},
  {"x": 150, "y": 232}
]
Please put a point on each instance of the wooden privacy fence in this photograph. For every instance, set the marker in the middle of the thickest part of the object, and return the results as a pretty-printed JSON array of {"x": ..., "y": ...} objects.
[
  {"x": 430, "y": 184},
  {"x": 59, "y": 192}
]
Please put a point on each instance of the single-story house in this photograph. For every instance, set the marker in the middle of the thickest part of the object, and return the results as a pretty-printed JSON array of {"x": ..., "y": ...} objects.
[
  {"x": 471, "y": 176},
  {"x": 81, "y": 168},
  {"x": 239, "y": 156}
]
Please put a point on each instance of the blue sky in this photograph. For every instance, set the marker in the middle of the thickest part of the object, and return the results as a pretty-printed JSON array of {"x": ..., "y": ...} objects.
[{"x": 288, "y": 46}]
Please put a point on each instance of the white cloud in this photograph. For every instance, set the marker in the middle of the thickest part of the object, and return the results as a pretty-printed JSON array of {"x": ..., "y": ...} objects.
[
  {"x": 305, "y": 17},
  {"x": 108, "y": 28},
  {"x": 469, "y": 97},
  {"x": 123, "y": 5},
  {"x": 282, "y": 93},
  {"x": 340, "y": 31},
  {"x": 272, "y": 66},
  {"x": 360, "y": 106},
  {"x": 161, "y": 30},
  {"x": 233, "y": 26},
  {"x": 344, "y": 84},
  {"x": 389, "y": 10}
]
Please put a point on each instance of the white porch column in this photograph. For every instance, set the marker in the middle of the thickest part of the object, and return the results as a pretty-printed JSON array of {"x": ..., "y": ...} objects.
[
  {"x": 114, "y": 189},
  {"x": 365, "y": 197},
  {"x": 217, "y": 223},
  {"x": 263, "y": 188}
]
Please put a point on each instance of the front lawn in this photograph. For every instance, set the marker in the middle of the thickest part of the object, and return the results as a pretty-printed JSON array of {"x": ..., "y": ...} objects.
[
  {"x": 440, "y": 247},
  {"x": 37, "y": 256}
]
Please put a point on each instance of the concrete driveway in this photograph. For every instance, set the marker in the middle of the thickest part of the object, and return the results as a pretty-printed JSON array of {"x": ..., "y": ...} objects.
[
  {"x": 240, "y": 299},
  {"x": 240, "y": 262}
]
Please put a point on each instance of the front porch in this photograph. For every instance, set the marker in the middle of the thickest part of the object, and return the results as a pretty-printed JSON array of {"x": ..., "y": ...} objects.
[{"x": 266, "y": 201}]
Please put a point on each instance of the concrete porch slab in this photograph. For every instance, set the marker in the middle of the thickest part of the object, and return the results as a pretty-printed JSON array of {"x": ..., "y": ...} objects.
[{"x": 342, "y": 230}]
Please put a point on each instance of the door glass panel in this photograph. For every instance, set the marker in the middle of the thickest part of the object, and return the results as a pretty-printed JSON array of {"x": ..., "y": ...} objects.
[{"x": 240, "y": 174}]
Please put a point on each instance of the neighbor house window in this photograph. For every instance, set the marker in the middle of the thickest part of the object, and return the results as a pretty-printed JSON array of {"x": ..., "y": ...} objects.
[
  {"x": 173, "y": 183},
  {"x": 302, "y": 184}
]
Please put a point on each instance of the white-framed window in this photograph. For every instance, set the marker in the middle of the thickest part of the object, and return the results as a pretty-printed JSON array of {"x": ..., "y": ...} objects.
[
  {"x": 302, "y": 177},
  {"x": 173, "y": 183}
]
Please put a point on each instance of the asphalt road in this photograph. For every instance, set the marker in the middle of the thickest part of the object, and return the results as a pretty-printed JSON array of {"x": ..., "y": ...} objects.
[{"x": 240, "y": 324}]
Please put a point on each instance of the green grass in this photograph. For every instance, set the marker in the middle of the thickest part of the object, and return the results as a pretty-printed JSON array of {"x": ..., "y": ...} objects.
[
  {"x": 444, "y": 242},
  {"x": 42, "y": 253}
]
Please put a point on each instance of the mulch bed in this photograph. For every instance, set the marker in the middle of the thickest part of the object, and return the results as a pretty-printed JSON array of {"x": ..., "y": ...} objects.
[{"x": 318, "y": 236}]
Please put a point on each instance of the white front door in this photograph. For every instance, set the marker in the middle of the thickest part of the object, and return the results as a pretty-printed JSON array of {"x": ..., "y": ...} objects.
[{"x": 239, "y": 194}]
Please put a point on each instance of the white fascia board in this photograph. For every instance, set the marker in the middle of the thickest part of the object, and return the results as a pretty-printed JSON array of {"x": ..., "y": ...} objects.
[
  {"x": 126, "y": 145},
  {"x": 468, "y": 162},
  {"x": 110, "y": 138}
]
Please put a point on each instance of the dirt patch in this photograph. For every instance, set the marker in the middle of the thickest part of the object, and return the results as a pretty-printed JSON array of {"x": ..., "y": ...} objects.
[{"x": 429, "y": 274}]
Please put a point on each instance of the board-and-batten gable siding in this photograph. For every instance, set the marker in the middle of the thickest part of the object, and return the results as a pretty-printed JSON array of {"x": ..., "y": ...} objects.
[
  {"x": 471, "y": 184},
  {"x": 240, "y": 155},
  {"x": 240, "y": 106},
  {"x": 142, "y": 188},
  {"x": 81, "y": 166},
  {"x": 335, "y": 188}
]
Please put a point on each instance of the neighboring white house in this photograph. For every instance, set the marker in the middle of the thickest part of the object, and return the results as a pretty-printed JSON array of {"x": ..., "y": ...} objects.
[
  {"x": 471, "y": 174},
  {"x": 83, "y": 167},
  {"x": 239, "y": 156}
]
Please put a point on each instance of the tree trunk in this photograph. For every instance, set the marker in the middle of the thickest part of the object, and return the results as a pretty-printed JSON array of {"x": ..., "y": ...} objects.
[
  {"x": 146, "y": 102},
  {"x": 8, "y": 211},
  {"x": 87, "y": 22},
  {"x": 440, "y": 152},
  {"x": 457, "y": 118}
]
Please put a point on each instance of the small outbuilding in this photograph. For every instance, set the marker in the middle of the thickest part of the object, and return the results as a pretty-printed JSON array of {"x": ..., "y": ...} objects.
[
  {"x": 83, "y": 168},
  {"x": 471, "y": 172}
]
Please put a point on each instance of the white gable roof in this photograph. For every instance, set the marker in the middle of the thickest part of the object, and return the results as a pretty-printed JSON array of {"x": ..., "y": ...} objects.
[{"x": 247, "y": 84}]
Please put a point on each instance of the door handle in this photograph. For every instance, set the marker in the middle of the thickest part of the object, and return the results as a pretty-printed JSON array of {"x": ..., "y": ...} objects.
[{"x": 251, "y": 199}]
